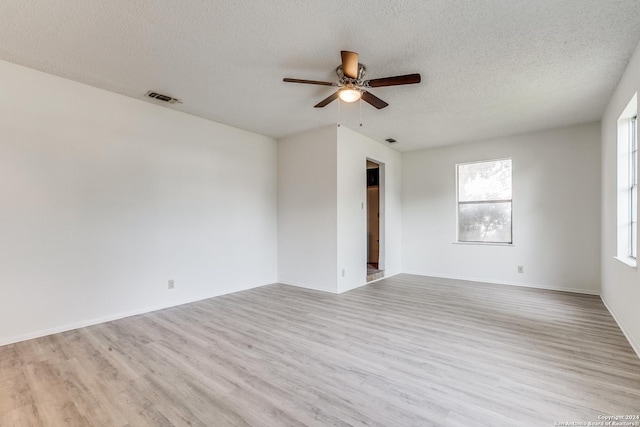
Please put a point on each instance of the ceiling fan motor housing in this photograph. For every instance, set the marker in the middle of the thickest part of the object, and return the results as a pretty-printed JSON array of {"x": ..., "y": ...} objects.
[{"x": 344, "y": 80}]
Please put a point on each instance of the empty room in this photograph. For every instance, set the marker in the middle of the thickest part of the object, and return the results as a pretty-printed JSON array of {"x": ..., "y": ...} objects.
[{"x": 284, "y": 213}]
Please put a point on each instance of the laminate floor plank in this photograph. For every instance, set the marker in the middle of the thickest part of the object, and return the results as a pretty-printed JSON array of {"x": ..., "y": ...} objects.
[
  {"x": 24, "y": 416},
  {"x": 404, "y": 351}
]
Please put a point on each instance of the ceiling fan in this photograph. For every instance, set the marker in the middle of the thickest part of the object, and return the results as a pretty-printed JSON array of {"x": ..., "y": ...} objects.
[{"x": 352, "y": 84}]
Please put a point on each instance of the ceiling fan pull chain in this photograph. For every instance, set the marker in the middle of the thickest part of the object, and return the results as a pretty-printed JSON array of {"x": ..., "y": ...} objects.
[{"x": 360, "y": 105}]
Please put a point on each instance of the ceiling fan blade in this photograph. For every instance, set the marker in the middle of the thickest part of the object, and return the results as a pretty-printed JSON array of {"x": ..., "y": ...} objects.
[
  {"x": 394, "y": 81},
  {"x": 373, "y": 100},
  {"x": 349, "y": 64},
  {"x": 327, "y": 100},
  {"x": 310, "y": 82}
]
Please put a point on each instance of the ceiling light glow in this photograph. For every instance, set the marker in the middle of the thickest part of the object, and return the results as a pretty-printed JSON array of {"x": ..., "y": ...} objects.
[{"x": 350, "y": 94}]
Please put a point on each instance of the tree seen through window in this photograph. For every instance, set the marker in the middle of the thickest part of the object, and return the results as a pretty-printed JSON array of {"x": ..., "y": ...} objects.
[{"x": 484, "y": 201}]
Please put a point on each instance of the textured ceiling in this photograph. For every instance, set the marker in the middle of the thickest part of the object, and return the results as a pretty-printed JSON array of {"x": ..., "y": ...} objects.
[{"x": 489, "y": 68}]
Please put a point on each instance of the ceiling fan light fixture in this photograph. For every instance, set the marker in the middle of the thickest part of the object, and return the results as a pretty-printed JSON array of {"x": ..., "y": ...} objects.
[{"x": 350, "y": 94}]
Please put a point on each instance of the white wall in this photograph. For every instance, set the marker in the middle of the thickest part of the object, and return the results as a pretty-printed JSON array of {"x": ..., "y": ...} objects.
[
  {"x": 103, "y": 198},
  {"x": 353, "y": 151},
  {"x": 322, "y": 227},
  {"x": 620, "y": 283},
  {"x": 307, "y": 209},
  {"x": 556, "y": 211}
]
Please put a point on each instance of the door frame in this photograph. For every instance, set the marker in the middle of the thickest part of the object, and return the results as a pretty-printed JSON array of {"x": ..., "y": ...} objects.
[{"x": 381, "y": 222}]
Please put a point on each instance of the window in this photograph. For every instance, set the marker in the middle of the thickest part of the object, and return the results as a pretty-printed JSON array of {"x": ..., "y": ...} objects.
[
  {"x": 484, "y": 202},
  {"x": 627, "y": 170},
  {"x": 633, "y": 187}
]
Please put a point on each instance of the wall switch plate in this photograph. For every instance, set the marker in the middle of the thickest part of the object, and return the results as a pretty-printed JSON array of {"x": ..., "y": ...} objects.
[
  {"x": 520, "y": 269},
  {"x": 343, "y": 272},
  {"x": 171, "y": 284}
]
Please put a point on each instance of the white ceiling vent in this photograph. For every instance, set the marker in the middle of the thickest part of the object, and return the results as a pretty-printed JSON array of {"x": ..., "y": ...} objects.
[{"x": 164, "y": 98}]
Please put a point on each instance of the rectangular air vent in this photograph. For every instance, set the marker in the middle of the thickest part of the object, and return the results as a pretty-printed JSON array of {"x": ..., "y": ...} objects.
[
  {"x": 164, "y": 98},
  {"x": 391, "y": 140}
]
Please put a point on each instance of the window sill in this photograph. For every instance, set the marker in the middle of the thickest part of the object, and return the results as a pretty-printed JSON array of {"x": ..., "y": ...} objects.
[
  {"x": 483, "y": 243},
  {"x": 627, "y": 261}
]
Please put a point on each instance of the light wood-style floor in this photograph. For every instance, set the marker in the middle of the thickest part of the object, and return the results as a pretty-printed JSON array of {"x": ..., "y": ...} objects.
[{"x": 404, "y": 351}]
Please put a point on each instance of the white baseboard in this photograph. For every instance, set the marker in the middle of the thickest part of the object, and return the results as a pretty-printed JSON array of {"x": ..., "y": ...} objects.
[
  {"x": 634, "y": 345},
  {"x": 350, "y": 288},
  {"x": 313, "y": 288},
  {"x": 111, "y": 317},
  {"x": 497, "y": 282}
]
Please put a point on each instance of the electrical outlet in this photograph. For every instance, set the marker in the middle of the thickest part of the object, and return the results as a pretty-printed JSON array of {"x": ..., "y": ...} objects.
[
  {"x": 171, "y": 284},
  {"x": 520, "y": 269}
]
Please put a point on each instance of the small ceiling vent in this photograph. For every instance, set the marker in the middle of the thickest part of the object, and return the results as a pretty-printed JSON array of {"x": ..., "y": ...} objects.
[
  {"x": 164, "y": 98},
  {"x": 391, "y": 141}
]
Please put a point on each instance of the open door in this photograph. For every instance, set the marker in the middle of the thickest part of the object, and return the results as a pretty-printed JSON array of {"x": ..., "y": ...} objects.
[{"x": 374, "y": 269}]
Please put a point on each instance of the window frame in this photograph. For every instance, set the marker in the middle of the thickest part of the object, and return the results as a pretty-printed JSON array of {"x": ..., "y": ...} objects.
[
  {"x": 477, "y": 202},
  {"x": 633, "y": 187},
  {"x": 626, "y": 184}
]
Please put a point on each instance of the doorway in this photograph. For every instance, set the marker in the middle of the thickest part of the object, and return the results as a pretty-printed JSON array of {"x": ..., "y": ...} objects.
[{"x": 374, "y": 265}]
